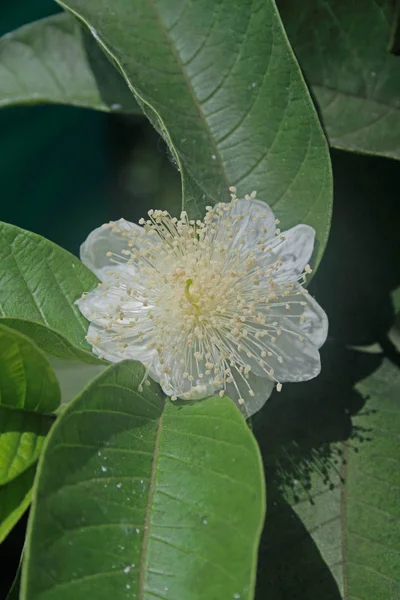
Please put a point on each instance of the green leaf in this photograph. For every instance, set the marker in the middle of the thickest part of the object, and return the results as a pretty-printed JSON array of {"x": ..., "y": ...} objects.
[
  {"x": 354, "y": 523},
  {"x": 15, "y": 498},
  {"x": 39, "y": 284},
  {"x": 49, "y": 340},
  {"x": 28, "y": 386},
  {"x": 342, "y": 47},
  {"x": 53, "y": 60},
  {"x": 27, "y": 380},
  {"x": 21, "y": 439},
  {"x": 139, "y": 497},
  {"x": 371, "y": 502},
  {"x": 220, "y": 83}
]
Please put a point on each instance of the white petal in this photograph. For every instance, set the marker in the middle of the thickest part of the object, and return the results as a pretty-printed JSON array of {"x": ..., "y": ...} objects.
[
  {"x": 106, "y": 239},
  {"x": 316, "y": 321},
  {"x": 293, "y": 359},
  {"x": 262, "y": 388},
  {"x": 107, "y": 345},
  {"x": 178, "y": 389},
  {"x": 256, "y": 216},
  {"x": 294, "y": 306},
  {"x": 175, "y": 384},
  {"x": 108, "y": 332},
  {"x": 100, "y": 303},
  {"x": 295, "y": 251}
]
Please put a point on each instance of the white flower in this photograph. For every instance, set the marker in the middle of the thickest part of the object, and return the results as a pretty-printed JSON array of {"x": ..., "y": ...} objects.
[{"x": 207, "y": 306}]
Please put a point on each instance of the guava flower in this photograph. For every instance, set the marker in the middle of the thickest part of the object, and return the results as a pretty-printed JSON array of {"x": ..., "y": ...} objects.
[{"x": 208, "y": 306}]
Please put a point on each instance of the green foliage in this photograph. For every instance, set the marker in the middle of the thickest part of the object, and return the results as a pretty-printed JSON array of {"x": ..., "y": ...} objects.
[
  {"x": 28, "y": 388},
  {"x": 333, "y": 524},
  {"x": 371, "y": 508},
  {"x": 53, "y": 60},
  {"x": 220, "y": 83},
  {"x": 342, "y": 47},
  {"x": 356, "y": 524},
  {"x": 21, "y": 439},
  {"x": 139, "y": 497},
  {"x": 27, "y": 379},
  {"x": 39, "y": 284},
  {"x": 15, "y": 497},
  {"x": 306, "y": 433}
]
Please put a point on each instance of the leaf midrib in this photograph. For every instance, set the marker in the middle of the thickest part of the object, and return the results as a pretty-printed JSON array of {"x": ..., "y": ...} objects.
[
  {"x": 191, "y": 91},
  {"x": 343, "y": 507},
  {"x": 153, "y": 474}
]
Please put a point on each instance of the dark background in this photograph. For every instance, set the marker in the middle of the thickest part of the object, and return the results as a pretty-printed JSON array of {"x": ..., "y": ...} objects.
[{"x": 64, "y": 171}]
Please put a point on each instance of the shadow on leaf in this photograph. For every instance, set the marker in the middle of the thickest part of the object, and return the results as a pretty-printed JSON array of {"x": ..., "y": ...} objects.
[{"x": 301, "y": 430}]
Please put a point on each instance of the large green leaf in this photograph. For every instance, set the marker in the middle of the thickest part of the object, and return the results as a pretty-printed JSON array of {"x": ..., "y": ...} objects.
[
  {"x": 28, "y": 387},
  {"x": 53, "y": 60},
  {"x": 39, "y": 284},
  {"x": 138, "y": 497},
  {"x": 349, "y": 511},
  {"x": 342, "y": 47},
  {"x": 15, "y": 498},
  {"x": 220, "y": 83}
]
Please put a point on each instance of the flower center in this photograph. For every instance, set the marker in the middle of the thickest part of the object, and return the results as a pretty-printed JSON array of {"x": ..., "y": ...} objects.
[{"x": 192, "y": 298}]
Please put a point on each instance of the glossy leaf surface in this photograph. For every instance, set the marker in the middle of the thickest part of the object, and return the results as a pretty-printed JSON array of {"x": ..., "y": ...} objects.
[
  {"x": 220, "y": 83},
  {"x": 139, "y": 497}
]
